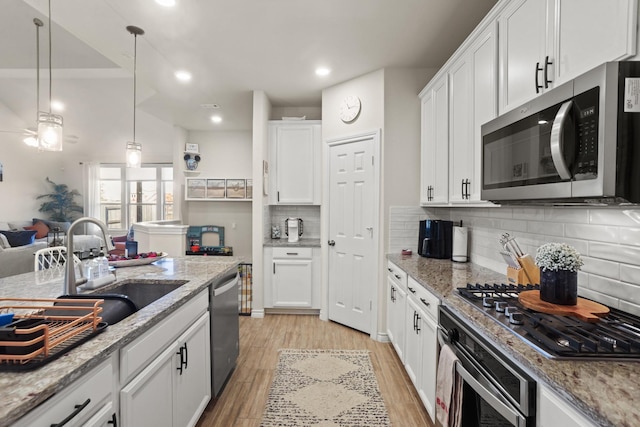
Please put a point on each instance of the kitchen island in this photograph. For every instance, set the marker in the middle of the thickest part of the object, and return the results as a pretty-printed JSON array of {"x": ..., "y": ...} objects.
[
  {"x": 23, "y": 391},
  {"x": 605, "y": 391}
]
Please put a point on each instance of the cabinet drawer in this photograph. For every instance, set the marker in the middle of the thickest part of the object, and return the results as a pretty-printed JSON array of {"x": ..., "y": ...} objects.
[
  {"x": 136, "y": 355},
  {"x": 293, "y": 252},
  {"x": 92, "y": 390},
  {"x": 396, "y": 274},
  {"x": 425, "y": 299}
]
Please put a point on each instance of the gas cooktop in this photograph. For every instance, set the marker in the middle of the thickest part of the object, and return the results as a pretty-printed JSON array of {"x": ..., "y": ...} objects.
[{"x": 614, "y": 337}]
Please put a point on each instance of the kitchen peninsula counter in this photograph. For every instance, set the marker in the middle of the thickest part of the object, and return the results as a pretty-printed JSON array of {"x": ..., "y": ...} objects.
[
  {"x": 605, "y": 391},
  {"x": 284, "y": 243},
  {"x": 23, "y": 391}
]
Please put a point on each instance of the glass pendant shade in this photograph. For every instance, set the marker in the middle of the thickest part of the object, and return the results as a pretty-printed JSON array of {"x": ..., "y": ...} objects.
[
  {"x": 49, "y": 131},
  {"x": 134, "y": 154}
]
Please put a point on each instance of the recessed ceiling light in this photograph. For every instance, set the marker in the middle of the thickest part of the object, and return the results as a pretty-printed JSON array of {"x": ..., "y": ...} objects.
[
  {"x": 216, "y": 119},
  {"x": 183, "y": 76},
  {"x": 166, "y": 3},
  {"x": 57, "y": 105},
  {"x": 322, "y": 71}
]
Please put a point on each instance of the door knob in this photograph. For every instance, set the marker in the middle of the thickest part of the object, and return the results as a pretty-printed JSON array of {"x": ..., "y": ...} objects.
[{"x": 332, "y": 242}]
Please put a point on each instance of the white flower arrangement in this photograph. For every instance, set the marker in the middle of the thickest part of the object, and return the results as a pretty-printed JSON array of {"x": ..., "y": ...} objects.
[{"x": 558, "y": 256}]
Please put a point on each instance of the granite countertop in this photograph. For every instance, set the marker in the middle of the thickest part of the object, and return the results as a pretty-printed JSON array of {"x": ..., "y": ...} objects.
[
  {"x": 283, "y": 243},
  {"x": 23, "y": 391},
  {"x": 605, "y": 391}
]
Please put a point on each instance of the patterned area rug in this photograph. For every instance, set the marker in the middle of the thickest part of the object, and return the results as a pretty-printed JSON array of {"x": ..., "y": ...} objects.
[{"x": 324, "y": 388}]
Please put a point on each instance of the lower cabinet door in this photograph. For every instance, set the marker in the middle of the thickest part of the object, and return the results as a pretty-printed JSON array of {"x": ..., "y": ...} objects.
[
  {"x": 413, "y": 342},
  {"x": 148, "y": 399},
  {"x": 193, "y": 380},
  {"x": 291, "y": 283},
  {"x": 427, "y": 383}
]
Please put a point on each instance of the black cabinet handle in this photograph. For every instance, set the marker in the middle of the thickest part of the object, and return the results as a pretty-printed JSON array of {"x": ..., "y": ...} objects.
[
  {"x": 113, "y": 420},
  {"x": 462, "y": 193},
  {"x": 424, "y": 301},
  {"x": 274, "y": 268},
  {"x": 414, "y": 320},
  {"x": 292, "y": 253},
  {"x": 278, "y": 196},
  {"x": 181, "y": 353},
  {"x": 546, "y": 71},
  {"x": 417, "y": 324},
  {"x": 186, "y": 356},
  {"x": 390, "y": 270},
  {"x": 413, "y": 291},
  {"x": 77, "y": 410},
  {"x": 398, "y": 277},
  {"x": 538, "y": 85}
]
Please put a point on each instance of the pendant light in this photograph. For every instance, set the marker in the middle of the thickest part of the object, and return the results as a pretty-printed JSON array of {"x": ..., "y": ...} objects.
[
  {"x": 49, "y": 125},
  {"x": 32, "y": 140},
  {"x": 134, "y": 149}
]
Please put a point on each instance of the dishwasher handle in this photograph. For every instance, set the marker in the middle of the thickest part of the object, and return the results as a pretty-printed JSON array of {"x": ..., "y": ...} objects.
[{"x": 224, "y": 287}]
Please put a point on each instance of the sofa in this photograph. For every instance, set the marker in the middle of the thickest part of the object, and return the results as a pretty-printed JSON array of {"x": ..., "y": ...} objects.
[{"x": 19, "y": 240}]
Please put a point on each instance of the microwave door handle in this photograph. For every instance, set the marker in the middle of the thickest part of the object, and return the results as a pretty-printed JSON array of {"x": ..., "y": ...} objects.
[{"x": 557, "y": 142}]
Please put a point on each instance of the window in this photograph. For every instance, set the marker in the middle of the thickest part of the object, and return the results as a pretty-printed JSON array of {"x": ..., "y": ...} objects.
[{"x": 129, "y": 195}]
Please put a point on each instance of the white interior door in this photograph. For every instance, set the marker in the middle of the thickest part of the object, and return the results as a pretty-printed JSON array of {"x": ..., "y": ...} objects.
[{"x": 352, "y": 232}]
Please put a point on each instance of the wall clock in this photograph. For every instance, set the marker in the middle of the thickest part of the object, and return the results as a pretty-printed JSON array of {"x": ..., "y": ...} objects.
[{"x": 350, "y": 108}]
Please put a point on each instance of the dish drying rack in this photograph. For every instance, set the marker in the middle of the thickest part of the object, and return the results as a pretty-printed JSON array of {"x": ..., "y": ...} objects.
[{"x": 43, "y": 329}]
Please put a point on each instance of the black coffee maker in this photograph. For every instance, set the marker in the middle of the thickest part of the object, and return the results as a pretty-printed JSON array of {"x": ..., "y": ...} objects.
[{"x": 435, "y": 238}]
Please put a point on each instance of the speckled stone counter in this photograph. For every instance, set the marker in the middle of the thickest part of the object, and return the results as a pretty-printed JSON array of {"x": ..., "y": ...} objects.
[
  {"x": 283, "y": 243},
  {"x": 23, "y": 391},
  {"x": 607, "y": 392}
]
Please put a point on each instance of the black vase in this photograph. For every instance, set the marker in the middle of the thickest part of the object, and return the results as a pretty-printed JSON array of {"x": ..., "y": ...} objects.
[{"x": 559, "y": 287}]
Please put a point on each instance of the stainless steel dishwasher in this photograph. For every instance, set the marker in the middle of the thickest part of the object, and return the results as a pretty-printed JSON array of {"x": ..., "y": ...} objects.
[{"x": 225, "y": 330}]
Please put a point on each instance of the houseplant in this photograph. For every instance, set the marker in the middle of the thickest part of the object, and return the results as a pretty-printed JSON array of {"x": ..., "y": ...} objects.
[
  {"x": 60, "y": 205},
  {"x": 559, "y": 264}
]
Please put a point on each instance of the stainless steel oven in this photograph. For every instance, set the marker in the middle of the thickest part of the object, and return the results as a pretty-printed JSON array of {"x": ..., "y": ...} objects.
[{"x": 497, "y": 393}]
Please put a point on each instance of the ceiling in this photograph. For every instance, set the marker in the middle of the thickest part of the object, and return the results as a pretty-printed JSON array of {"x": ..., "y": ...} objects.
[{"x": 231, "y": 47}]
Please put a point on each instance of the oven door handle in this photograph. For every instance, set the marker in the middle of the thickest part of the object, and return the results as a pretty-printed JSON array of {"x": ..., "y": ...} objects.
[{"x": 491, "y": 395}]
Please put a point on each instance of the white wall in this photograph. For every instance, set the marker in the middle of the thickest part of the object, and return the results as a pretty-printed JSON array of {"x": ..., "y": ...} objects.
[
  {"x": 261, "y": 113},
  {"x": 224, "y": 155}
]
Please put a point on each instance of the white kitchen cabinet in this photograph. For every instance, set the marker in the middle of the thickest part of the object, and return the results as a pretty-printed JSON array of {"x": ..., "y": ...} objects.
[
  {"x": 421, "y": 347},
  {"x": 396, "y": 307},
  {"x": 290, "y": 281},
  {"x": 434, "y": 144},
  {"x": 89, "y": 401},
  {"x": 554, "y": 411},
  {"x": 295, "y": 160},
  {"x": 166, "y": 372},
  {"x": 473, "y": 101},
  {"x": 545, "y": 43}
]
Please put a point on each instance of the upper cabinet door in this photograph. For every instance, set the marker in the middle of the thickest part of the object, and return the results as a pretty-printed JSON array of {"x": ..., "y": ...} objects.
[
  {"x": 435, "y": 143},
  {"x": 544, "y": 43},
  {"x": 295, "y": 162},
  {"x": 590, "y": 32},
  {"x": 473, "y": 102},
  {"x": 523, "y": 47}
]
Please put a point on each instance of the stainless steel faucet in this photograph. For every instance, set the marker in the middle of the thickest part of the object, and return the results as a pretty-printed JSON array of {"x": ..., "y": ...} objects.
[{"x": 70, "y": 281}]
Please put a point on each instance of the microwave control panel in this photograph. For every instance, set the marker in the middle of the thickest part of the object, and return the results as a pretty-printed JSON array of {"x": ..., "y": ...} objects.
[{"x": 586, "y": 164}]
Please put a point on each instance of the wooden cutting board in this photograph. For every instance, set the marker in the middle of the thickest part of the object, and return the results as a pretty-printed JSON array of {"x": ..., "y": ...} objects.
[{"x": 587, "y": 310}]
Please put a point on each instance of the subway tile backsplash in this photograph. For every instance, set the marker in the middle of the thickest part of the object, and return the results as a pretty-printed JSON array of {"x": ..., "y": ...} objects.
[{"x": 608, "y": 239}]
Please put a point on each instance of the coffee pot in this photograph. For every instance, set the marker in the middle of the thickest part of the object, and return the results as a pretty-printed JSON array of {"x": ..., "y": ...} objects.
[{"x": 293, "y": 229}]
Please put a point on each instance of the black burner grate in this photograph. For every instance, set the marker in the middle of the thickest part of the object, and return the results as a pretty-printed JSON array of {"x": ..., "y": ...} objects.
[{"x": 615, "y": 336}]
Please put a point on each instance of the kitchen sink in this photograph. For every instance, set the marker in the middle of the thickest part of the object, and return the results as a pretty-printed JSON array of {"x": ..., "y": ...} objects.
[
  {"x": 123, "y": 299},
  {"x": 143, "y": 293}
]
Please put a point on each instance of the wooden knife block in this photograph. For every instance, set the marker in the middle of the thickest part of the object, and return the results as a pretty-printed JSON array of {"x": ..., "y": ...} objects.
[{"x": 528, "y": 274}]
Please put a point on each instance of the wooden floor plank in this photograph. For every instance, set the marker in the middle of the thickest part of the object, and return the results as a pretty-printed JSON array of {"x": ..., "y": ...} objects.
[{"x": 244, "y": 397}]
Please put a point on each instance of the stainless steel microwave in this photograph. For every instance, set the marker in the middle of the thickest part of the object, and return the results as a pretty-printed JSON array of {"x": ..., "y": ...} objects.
[{"x": 577, "y": 143}]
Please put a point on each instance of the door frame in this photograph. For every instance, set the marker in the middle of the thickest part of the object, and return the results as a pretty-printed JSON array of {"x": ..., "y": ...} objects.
[{"x": 375, "y": 136}]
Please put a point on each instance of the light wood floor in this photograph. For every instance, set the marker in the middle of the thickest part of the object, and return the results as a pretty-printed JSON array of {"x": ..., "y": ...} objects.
[{"x": 243, "y": 400}]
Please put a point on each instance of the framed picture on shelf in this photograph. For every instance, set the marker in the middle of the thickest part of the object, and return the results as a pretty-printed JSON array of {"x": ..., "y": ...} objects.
[
  {"x": 249, "y": 189},
  {"x": 191, "y": 148},
  {"x": 236, "y": 189},
  {"x": 196, "y": 188},
  {"x": 215, "y": 189}
]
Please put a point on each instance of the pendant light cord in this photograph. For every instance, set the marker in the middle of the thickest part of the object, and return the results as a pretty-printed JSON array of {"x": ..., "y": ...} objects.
[
  {"x": 135, "y": 56},
  {"x": 50, "y": 79},
  {"x": 38, "y": 24}
]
